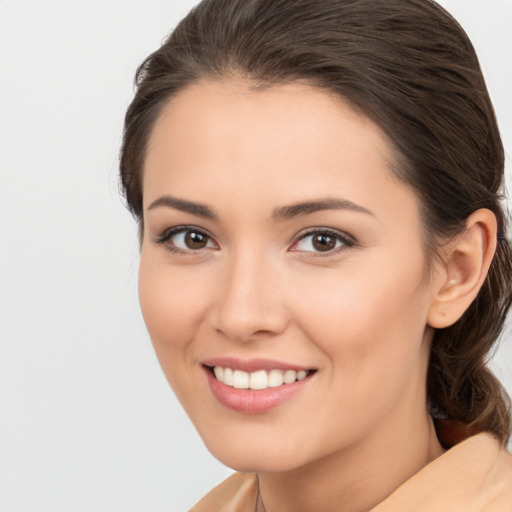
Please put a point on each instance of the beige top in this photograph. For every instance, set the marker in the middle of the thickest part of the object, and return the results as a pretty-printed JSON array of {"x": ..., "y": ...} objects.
[{"x": 473, "y": 476}]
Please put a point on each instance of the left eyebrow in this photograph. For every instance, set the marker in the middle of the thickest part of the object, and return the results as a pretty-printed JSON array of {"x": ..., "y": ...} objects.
[{"x": 305, "y": 208}]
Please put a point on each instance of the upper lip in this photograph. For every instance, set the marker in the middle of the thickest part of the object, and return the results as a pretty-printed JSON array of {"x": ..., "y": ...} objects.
[{"x": 253, "y": 365}]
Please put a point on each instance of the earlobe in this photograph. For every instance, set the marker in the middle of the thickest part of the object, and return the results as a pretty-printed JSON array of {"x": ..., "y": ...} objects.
[{"x": 466, "y": 265}]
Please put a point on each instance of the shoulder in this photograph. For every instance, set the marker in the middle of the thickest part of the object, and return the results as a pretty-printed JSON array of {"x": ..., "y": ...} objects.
[
  {"x": 502, "y": 476},
  {"x": 475, "y": 475},
  {"x": 238, "y": 493}
]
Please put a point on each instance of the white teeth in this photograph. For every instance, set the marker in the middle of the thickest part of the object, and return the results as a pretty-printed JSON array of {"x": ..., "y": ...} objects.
[
  {"x": 240, "y": 379},
  {"x": 228, "y": 376},
  {"x": 260, "y": 379},
  {"x": 219, "y": 373},
  {"x": 275, "y": 378},
  {"x": 290, "y": 376}
]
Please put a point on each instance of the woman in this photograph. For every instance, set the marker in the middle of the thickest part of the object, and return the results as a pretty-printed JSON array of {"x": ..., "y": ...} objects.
[{"x": 324, "y": 266}]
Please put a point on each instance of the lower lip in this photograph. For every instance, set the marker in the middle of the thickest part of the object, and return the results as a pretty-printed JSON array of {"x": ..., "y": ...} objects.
[{"x": 253, "y": 401}]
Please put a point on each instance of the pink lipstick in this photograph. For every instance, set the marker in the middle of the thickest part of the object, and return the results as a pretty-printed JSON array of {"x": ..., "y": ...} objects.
[{"x": 254, "y": 386}]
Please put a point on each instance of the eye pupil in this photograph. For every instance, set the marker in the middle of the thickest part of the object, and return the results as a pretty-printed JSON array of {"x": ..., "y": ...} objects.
[
  {"x": 324, "y": 242},
  {"x": 195, "y": 240}
]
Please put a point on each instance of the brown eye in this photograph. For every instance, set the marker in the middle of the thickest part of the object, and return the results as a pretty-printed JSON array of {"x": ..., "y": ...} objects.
[
  {"x": 323, "y": 242},
  {"x": 182, "y": 239},
  {"x": 195, "y": 240}
]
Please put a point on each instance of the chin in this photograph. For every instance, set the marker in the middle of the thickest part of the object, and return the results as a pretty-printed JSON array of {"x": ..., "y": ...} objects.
[
  {"x": 257, "y": 454},
  {"x": 261, "y": 462}
]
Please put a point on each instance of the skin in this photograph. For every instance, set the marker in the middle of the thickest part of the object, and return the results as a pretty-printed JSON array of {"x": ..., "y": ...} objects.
[{"x": 358, "y": 314}]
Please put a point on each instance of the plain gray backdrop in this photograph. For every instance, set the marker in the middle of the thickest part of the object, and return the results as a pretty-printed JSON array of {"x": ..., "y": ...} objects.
[{"x": 87, "y": 420}]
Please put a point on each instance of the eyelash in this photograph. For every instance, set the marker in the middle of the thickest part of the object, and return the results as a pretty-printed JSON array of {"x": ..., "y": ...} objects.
[
  {"x": 169, "y": 233},
  {"x": 346, "y": 240}
]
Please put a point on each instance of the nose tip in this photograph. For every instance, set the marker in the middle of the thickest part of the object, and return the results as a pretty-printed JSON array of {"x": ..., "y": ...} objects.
[
  {"x": 249, "y": 306},
  {"x": 241, "y": 326}
]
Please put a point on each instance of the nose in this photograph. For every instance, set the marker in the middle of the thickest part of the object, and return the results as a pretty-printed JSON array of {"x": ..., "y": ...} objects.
[{"x": 249, "y": 305}]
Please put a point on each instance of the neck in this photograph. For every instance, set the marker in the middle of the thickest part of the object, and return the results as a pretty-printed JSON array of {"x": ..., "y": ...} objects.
[{"x": 354, "y": 479}]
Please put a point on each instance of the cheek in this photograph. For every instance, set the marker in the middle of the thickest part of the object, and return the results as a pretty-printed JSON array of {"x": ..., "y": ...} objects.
[
  {"x": 172, "y": 303},
  {"x": 372, "y": 335},
  {"x": 370, "y": 324},
  {"x": 362, "y": 299}
]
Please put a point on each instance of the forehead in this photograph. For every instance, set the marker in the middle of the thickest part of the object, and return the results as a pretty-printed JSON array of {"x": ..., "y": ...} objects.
[
  {"x": 268, "y": 146},
  {"x": 214, "y": 112}
]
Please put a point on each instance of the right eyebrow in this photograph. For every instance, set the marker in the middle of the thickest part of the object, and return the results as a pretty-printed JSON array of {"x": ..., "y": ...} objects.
[{"x": 198, "y": 209}]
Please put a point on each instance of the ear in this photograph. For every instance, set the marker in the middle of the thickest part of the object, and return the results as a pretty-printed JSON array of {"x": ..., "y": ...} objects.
[{"x": 466, "y": 263}]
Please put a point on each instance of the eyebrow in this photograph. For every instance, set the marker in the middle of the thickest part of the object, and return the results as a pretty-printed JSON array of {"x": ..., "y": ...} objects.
[
  {"x": 198, "y": 209},
  {"x": 281, "y": 214},
  {"x": 305, "y": 208}
]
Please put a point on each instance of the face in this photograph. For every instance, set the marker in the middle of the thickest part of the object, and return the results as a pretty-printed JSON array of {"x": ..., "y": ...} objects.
[{"x": 283, "y": 277}]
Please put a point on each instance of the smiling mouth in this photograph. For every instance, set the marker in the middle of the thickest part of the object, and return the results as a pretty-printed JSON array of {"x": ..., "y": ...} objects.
[{"x": 258, "y": 380}]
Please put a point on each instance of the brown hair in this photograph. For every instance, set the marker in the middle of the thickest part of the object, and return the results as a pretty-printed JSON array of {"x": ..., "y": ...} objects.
[{"x": 410, "y": 67}]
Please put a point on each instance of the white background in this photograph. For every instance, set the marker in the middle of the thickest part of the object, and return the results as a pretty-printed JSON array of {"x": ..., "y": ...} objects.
[{"x": 87, "y": 421}]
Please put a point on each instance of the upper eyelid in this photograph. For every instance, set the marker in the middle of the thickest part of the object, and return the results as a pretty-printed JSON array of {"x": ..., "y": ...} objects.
[
  {"x": 319, "y": 229},
  {"x": 164, "y": 237},
  {"x": 168, "y": 232},
  {"x": 347, "y": 242}
]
